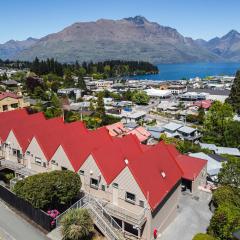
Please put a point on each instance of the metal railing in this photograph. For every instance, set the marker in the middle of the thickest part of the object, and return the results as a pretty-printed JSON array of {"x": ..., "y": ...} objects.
[
  {"x": 126, "y": 215},
  {"x": 100, "y": 216}
]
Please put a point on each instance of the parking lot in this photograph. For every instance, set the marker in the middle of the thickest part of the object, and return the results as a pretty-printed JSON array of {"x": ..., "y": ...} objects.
[{"x": 193, "y": 217}]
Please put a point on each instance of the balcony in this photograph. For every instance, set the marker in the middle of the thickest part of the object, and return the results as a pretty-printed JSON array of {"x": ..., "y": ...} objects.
[
  {"x": 18, "y": 168},
  {"x": 124, "y": 214}
]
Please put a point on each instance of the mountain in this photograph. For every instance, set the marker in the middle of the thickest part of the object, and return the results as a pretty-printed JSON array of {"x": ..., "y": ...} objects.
[
  {"x": 227, "y": 47},
  {"x": 9, "y": 49},
  {"x": 133, "y": 38}
]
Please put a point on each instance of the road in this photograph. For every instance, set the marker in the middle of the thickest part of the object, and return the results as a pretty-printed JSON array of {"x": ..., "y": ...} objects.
[{"x": 13, "y": 227}]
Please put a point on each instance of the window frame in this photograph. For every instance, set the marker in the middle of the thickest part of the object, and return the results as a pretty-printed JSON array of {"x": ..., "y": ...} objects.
[
  {"x": 127, "y": 199},
  {"x": 95, "y": 186}
]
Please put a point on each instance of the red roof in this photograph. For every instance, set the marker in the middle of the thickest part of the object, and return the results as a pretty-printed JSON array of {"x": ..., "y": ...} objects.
[
  {"x": 156, "y": 169},
  {"x": 78, "y": 148},
  {"x": 190, "y": 166},
  {"x": 110, "y": 164},
  {"x": 206, "y": 104},
  {"x": 8, "y": 94},
  {"x": 156, "y": 173},
  {"x": 141, "y": 133}
]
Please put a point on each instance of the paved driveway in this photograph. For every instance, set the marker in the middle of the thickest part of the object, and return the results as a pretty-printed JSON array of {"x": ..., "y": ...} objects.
[
  {"x": 193, "y": 217},
  {"x": 13, "y": 227}
]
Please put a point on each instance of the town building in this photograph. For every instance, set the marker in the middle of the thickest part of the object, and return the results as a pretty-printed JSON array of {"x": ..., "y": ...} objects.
[{"x": 10, "y": 101}]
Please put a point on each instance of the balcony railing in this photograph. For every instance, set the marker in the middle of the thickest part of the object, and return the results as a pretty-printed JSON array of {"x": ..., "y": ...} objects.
[{"x": 125, "y": 215}]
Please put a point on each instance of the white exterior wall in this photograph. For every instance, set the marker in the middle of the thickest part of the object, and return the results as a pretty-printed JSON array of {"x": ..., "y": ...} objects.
[
  {"x": 12, "y": 144},
  {"x": 61, "y": 160},
  {"x": 91, "y": 170},
  {"x": 200, "y": 180},
  {"x": 35, "y": 151},
  {"x": 127, "y": 183}
]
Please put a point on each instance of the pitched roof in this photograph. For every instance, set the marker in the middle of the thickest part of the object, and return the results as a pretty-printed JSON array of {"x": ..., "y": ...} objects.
[
  {"x": 8, "y": 94},
  {"x": 156, "y": 172},
  {"x": 190, "y": 166}
]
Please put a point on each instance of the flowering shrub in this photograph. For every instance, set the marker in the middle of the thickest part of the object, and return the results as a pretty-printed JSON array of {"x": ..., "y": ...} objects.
[{"x": 53, "y": 214}]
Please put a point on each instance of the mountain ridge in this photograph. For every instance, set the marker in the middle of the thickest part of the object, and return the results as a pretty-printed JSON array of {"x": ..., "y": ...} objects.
[{"x": 132, "y": 38}]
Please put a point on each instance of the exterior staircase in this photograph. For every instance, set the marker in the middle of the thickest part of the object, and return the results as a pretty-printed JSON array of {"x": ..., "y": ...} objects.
[{"x": 100, "y": 216}]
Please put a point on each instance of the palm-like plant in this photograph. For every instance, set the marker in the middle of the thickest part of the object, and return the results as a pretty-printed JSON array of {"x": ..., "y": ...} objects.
[{"x": 77, "y": 224}]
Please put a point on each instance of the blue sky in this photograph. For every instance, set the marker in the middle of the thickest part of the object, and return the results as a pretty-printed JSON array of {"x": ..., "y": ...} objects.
[{"x": 206, "y": 19}]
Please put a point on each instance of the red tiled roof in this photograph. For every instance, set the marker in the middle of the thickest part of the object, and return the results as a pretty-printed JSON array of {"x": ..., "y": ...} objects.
[
  {"x": 8, "y": 94},
  {"x": 204, "y": 104},
  {"x": 141, "y": 133},
  {"x": 116, "y": 129}
]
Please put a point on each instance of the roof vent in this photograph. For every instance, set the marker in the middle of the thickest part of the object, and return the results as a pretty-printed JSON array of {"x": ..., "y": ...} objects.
[
  {"x": 91, "y": 172},
  {"x": 126, "y": 161},
  {"x": 163, "y": 174}
]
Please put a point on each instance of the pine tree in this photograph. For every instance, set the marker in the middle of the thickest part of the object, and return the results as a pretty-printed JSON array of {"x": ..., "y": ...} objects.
[{"x": 234, "y": 96}]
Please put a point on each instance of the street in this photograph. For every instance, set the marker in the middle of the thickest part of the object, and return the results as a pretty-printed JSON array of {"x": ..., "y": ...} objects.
[{"x": 13, "y": 227}]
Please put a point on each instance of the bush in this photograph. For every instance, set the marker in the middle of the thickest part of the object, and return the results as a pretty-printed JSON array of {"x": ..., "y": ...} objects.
[
  {"x": 203, "y": 236},
  {"x": 49, "y": 190},
  {"x": 224, "y": 222},
  {"x": 77, "y": 224},
  {"x": 226, "y": 195}
]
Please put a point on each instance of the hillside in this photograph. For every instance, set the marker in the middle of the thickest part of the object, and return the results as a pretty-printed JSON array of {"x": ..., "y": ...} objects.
[{"x": 133, "y": 38}]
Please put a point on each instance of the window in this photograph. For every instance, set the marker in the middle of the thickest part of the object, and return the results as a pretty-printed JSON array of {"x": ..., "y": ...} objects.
[
  {"x": 130, "y": 197},
  {"x": 54, "y": 162},
  {"x": 38, "y": 160},
  {"x": 115, "y": 185},
  {"x": 44, "y": 164},
  {"x": 94, "y": 183},
  {"x": 14, "y": 151},
  {"x": 5, "y": 107},
  {"x": 141, "y": 203},
  {"x": 103, "y": 187},
  {"x": 14, "y": 105},
  {"x": 81, "y": 172}
]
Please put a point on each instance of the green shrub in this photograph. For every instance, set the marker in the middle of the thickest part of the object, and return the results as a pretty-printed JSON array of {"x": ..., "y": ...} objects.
[
  {"x": 224, "y": 222},
  {"x": 77, "y": 224},
  {"x": 49, "y": 190},
  {"x": 226, "y": 195},
  {"x": 203, "y": 236}
]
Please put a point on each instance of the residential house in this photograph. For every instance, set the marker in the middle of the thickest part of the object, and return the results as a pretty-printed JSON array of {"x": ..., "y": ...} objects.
[{"x": 11, "y": 101}]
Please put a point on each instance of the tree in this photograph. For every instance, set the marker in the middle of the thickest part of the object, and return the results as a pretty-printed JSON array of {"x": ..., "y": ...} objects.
[
  {"x": 217, "y": 120},
  {"x": 77, "y": 224},
  {"x": 140, "y": 98},
  {"x": 232, "y": 134},
  {"x": 203, "y": 236},
  {"x": 201, "y": 115},
  {"x": 224, "y": 222},
  {"x": 230, "y": 172},
  {"x": 100, "y": 110},
  {"x": 234, "y": 96},
  {"x": 226, "y": 195},
  {"x": 49, "y": 190}
]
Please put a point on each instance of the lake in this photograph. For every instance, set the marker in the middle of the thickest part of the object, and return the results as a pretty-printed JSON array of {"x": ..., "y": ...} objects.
[{"x": 191, "y": 70}]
